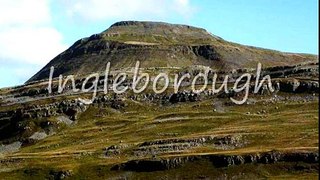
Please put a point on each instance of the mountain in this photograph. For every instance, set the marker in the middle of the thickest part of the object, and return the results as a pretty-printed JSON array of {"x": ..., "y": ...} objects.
[
  {"x": 169, "y": 135},
  {"x": 158, "y": 44}
]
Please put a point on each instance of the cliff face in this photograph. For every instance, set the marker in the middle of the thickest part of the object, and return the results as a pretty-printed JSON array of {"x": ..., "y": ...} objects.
[{"x": 157, "y": 44}]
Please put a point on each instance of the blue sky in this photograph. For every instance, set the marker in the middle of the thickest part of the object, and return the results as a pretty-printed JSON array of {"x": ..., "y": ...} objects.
[{"x": 44, "y": 28}]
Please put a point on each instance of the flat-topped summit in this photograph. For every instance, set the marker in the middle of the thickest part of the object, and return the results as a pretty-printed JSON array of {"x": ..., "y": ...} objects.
[
  {"x": 159, "y": 44},
  {"x": 157, "y": 32},
  {"x": 151, "y": 24}
]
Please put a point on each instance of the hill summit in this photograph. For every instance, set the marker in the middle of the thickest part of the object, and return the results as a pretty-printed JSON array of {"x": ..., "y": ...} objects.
[{"x": 159, "y": 44}]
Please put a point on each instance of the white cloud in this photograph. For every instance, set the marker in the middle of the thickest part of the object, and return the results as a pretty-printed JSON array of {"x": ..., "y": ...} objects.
[
  {"x": 124, "y": 9},
  {"x": 19, "y": 12},
  {"x": 27, "y": 38},
  {"x": 28, "y": 44},
  {"x": 183, "y": 7}
]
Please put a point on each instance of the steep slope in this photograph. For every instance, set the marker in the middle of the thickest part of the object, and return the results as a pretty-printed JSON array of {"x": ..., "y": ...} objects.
[{"x": 157, "y": 44}]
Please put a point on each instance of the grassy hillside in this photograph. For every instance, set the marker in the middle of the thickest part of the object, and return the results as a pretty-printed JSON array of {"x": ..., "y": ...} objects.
[{"x": 289, "y": 125}]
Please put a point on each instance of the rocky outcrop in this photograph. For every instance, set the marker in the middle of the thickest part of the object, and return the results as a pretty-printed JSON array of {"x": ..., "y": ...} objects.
[
  {"x": 63, "y": 174},
  {"x": 218, "y": 161},
  {"x": 184, "y": 96},
  {"x": 178, "y": 145},
  {"x": 296, "y": 86},
  {"x": 23, "y": 124},
  {"x": 207, "y": 52},
  {"x": 153, "y": 165},
  {"x": 9, "y": 148}
]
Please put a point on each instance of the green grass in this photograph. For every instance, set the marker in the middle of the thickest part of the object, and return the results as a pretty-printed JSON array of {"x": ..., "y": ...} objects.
[{"x": 292, "y": 126}]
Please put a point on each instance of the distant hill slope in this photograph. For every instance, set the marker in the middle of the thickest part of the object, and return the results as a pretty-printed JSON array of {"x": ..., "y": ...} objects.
[{"x": 157, "y": 44}]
